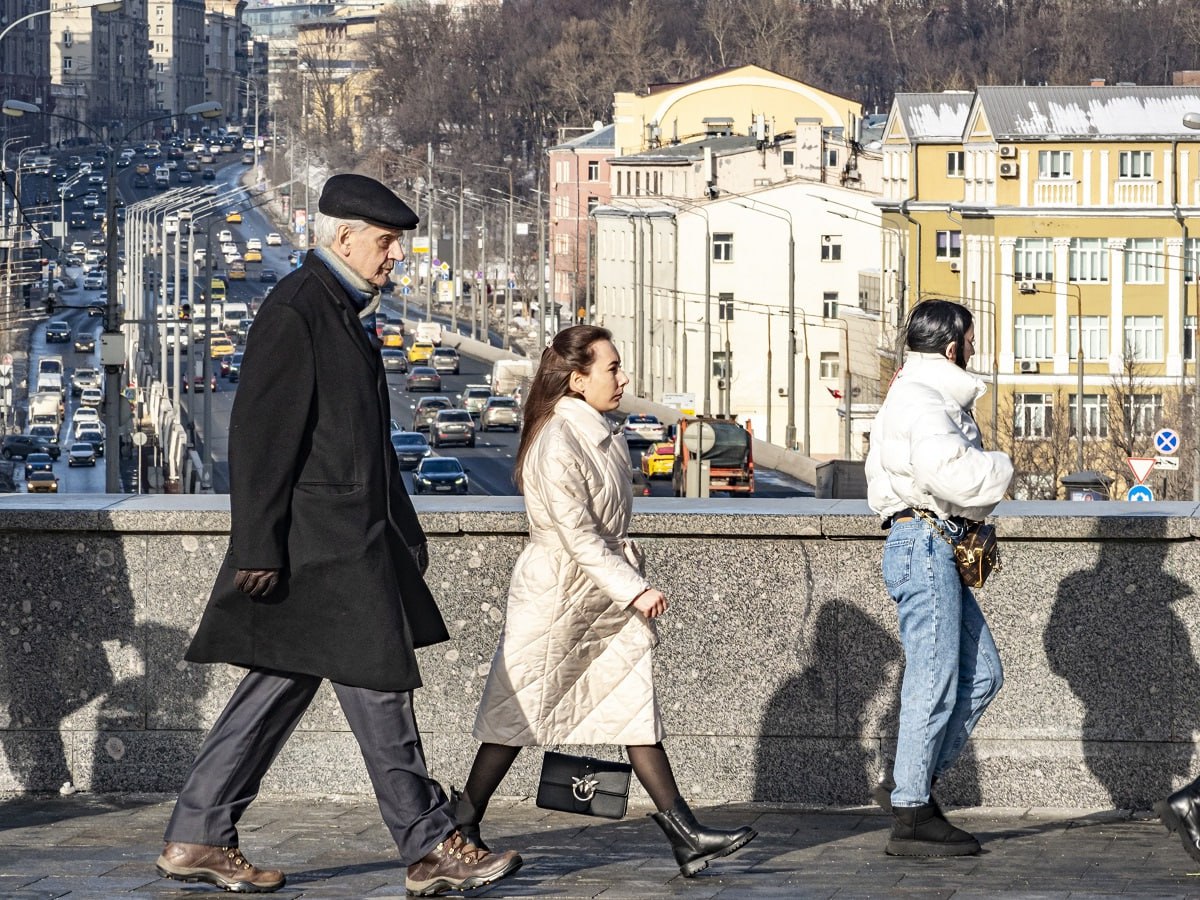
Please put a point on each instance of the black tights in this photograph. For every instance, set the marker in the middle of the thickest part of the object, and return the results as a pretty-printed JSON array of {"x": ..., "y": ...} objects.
[{"x": 493, "y": 761}]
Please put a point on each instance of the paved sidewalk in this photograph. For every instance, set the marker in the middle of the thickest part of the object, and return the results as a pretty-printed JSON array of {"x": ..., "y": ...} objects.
[{"x": 85, "y": 846}]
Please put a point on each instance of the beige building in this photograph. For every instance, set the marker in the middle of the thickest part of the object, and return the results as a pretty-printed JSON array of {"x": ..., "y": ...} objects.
[
  {"x": 177, "y": 48},
  {"x": 99, "y": 67},
  {"x": 226, "y": 64}
]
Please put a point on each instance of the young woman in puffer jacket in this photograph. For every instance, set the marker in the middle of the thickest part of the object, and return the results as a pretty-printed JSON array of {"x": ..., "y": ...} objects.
[
  {"x": 574, "y": 661},
  {"x": 927, "y": 461}
]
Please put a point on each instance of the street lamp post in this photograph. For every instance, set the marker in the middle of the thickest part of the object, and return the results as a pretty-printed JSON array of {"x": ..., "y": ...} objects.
[
  {"x": 1190, "y": 120},
  {"x": 112, "y": 348}
]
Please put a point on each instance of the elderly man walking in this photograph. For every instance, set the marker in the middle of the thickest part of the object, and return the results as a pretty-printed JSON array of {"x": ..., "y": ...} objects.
[{"x": 324, "y": 573}]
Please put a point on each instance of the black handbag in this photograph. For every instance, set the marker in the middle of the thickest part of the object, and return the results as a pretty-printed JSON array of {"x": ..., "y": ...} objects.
[{"x": 584, "y": 785}]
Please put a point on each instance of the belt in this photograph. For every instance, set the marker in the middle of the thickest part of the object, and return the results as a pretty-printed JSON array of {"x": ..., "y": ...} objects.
[
  {"x": 903, "y": 515},
  {"x": 909, "y": 513}
]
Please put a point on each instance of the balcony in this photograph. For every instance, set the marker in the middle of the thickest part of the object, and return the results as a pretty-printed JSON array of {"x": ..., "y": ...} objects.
[
  {"x": 779, "y": 652},
  {"x": 1055, "y": 192},
  {"x": 1136, "y": 192}
]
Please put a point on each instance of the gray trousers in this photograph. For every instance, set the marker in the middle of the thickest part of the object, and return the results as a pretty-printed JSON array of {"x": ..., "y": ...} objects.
[{"x": 256, "y": 723}]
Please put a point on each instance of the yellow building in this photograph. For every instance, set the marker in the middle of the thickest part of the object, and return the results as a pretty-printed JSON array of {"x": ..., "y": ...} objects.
[
  {"x": 724, "y": 102},
  {"x": 1061, "y": 216}
]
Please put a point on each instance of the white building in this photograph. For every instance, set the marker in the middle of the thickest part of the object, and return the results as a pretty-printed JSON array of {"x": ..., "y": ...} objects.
[{"x": 693, "y": 278}]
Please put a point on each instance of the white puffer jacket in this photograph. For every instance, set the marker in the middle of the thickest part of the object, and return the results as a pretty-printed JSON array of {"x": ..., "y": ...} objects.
[{"x": 925, "y": 446}]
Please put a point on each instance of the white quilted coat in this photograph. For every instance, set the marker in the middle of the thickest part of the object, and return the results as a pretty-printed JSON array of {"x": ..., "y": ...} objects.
[{"x": 573, "y": 665}]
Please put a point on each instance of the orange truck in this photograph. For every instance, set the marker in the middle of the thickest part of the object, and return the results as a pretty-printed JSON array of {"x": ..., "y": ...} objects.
[{"x": 726, "y": 446}]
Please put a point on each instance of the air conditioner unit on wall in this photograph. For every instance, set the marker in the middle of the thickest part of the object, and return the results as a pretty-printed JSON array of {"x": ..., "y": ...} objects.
[
  {"x": 1008, "y": 151},
  {"x": 955, "y": 266},
  {"x": 1029, "y": 367},
  {"x": 1009, "y": 169},
  {"x": 1027, "y": 287}
]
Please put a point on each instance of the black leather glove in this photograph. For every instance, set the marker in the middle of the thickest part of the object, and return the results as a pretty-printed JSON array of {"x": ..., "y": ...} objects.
[
  {"x": 256, "y": 582},
  {"x": 420, "y": 555}
]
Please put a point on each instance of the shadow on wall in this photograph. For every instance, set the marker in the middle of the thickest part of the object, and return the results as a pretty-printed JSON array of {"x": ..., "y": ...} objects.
[
  {"x": 1116, "y": 639},
  {"x": 75, "y": 676}
]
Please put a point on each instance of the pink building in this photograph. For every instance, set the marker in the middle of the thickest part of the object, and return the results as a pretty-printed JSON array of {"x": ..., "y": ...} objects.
[{"x": 579, "y": 182}]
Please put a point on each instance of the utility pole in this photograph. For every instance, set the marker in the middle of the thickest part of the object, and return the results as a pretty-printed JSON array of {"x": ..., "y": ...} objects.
[
  {"x": 432, "y": 234},
  {"x": 541, "y": 273}
]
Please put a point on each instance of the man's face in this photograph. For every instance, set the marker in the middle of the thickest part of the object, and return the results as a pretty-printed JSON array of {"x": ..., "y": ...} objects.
[{"x": 371, "y": 252}]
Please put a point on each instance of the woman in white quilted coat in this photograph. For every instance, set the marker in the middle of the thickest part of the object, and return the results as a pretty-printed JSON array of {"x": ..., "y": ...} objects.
[
  {"x": 574, "y": 661},
  {"x": 928, "y": 477}
]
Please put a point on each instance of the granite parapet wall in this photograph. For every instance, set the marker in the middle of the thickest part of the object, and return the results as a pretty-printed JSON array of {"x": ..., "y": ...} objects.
[{"x": 778, "y": 668}]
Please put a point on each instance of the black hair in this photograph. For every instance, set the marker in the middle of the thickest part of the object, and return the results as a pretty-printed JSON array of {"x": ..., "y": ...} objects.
[{"x": 935, "y": 324}]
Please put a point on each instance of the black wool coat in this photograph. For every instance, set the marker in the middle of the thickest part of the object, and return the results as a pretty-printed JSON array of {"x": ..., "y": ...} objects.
[{"x": 316, "y": 492}]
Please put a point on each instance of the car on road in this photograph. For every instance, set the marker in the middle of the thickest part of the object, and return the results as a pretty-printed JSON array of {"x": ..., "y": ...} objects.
[
  {"x": 423, "y": 378},
  {"x": 237, "y": 268},
  {"x": 445, "y": 360},
  {"x": 234, "y": 370},
  {"x": 97, "y": 306},
  {"x": 411, "y": 447},
  {"x": 184, "y": 177},
  {"x": 19, "y": 446},
  {"x": 82, "y": 453},
  {"x": 394, "y": 361},
  {"x": 38, "y": 462},
  {"x": 392, "y": 336},
  {"x": 658, "y": 460},
  {"x": 84, "y": 378},
  {"x": 252, "y": 255},
  {"x": 94, "y": 281},
  {"x": 640, "y": 428},
  {"x": 58, "y": 332},
  {"x": 427, "y": 410},
  {"x": 452, "y": 426},
  {"x": 48, "y": 433},
  {"x": 274, "y": 239},
  {"x": 233, "y": 217},
  {"x": 196, "y": 383},
  {"x": 93, "y": 436},
  {"x": 220, "y": 345},
  {"x": 90, "y": 397},
  {"x": 267, "y": 276},
  {"x": 441, "y": 475},
  {"x": 420, "y": 352},
  {"x": 500, "y": 412},
  {"x": 473, "y": 397},
  {"x": 208, "y": 174},
  {"x": 88, "y": 414},
  {"x": 85, "y": 342},
  {"x": 225, "y": 236},
  {"x": 42, "y": 483}
]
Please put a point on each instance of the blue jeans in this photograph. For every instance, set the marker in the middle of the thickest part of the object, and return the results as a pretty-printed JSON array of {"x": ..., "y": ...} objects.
[{"x": 952, "y": 669}]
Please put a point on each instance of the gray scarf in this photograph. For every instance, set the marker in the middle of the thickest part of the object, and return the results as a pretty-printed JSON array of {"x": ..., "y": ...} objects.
[{"x": 364, "y": 295}]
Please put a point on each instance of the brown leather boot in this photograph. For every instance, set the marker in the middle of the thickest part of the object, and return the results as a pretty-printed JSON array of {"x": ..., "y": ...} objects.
[
  {"x": 224, "y": 867},
  {"x": 456, "y": 865}
]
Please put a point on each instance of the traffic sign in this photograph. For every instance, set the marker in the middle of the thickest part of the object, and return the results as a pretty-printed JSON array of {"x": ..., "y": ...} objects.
[
  {"x": 1167, "y": 463},
  {"x": 1166, "y": 441},
  {"x": 1141, "y": 466},
  {"x": 405, "y": 280},
  {"x": 1139, "y": 493}
]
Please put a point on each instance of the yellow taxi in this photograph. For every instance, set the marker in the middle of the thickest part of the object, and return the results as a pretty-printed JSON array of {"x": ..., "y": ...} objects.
[
  {"x": 142, "y": 168},
  {"x": 420, "y": 353},
  {"x": 234, "y": 217},
  {"x": 220, "y": 345},
  {"x": 657, "y": 460},
  {"x": 237, "y": 271},
  {"x": 252, "y": 256},
  {"x": 392, "y": 336}
]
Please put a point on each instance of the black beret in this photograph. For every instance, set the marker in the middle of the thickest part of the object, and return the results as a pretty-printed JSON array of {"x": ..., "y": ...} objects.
[{"x": 360, "y": 197}]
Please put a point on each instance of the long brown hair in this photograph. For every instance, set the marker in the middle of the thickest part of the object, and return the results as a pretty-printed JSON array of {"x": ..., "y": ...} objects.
[{"x": 572, "y": 350}]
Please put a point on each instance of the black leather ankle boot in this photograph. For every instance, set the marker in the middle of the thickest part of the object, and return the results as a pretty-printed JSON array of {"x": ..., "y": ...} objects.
[
  {"x": 1181, "y": 813},
  {"x": 467, "y": 818},
  {"x": 924, "y": 831},
  {"x": 694, "y": 844}
]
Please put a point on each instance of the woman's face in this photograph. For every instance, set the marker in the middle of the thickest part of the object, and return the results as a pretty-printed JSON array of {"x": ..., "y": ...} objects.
[
  {"x": 604, "y": 382},
  {"x": 968, "y": 349}
]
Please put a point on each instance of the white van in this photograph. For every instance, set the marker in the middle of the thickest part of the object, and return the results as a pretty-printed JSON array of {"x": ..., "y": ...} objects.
[
  {"x": 233, "y": 313},
  {"x": 430, "y": 333}
]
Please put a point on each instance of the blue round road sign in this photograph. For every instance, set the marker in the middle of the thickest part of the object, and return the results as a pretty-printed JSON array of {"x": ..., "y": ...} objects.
[
  {"x": 1139, "y": 493},
  {"x": 1166, "y": 441}
]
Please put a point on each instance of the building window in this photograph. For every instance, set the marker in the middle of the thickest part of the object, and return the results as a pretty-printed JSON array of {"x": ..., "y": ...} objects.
[
  {"x": 831, "y": 248},
  {"x": 594, "y": 170},
  {"x": 1095, "y": 415},
  {"x": 722, "y": 246},
  {"x": 1089, "y": 259},
  {"x": 562, "y": 246},
  {"x": 1054, "y": 164},
  {"x": 949, "y": 245},
  {"x": 562, "y": 207},
  {"x": 68, "y": 38},
  {"x": 1143, "y": 414},
  {"x": 831, "y": 365},
  {"x": 1034, "y": 337},
  {"x": 1095, "y": 337},
  {"x": 68, "y": 64},
  {"x": 1191, "y": 260},
  {"x": 1033, "y": 415},
  {"x": 720, "y": 365},
  {"x": 831, "y": 158},
  {"x": 829, "y": 305},
  {"x": 789, "y": 158},
  {"x": 160, "y": 67},
  {"x": 1144, "y": 338},
  {"x": 158, "y": 29},
  {"x": 725, "y": 307},
  {"x": 1033, "y": 260},
  {"x": 1189, "y": 337},
  {"x": 1143, "y": 261},
  {"x": 1136, "y": 164},
  {"x": 955, "y": 162},
  {"x": 593, "y": 202}
]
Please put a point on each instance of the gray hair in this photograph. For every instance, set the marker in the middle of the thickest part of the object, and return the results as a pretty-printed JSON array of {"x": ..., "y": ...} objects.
[{"x": 325, "y": 228}]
